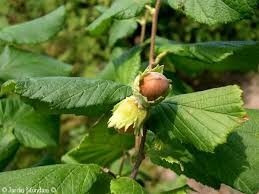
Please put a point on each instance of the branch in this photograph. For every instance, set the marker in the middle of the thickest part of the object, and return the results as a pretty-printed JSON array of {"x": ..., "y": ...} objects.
[
  {"x": 141, "y": 152},
  {"x": 153, "y": 34}
]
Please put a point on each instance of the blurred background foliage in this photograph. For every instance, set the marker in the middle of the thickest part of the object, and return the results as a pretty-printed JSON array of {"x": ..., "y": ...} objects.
[{"x": 88, "y": 54}]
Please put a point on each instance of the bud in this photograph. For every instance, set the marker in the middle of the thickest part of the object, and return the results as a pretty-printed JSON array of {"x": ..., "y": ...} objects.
[{"x": 128, "y": 116}]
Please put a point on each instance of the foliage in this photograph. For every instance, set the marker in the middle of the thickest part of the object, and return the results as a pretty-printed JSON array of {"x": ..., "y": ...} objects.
[{"x": 204, "y": 135}]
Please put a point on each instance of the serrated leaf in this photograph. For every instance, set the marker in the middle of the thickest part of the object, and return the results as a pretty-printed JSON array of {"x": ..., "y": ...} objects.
[
  {"x": 93, "y": 148},
  {"x": 124, "y": 68},
  {"x": 17, "y": 64},
  {"x": 35, "y": 31},
  {"x": 32, "y": 129},
  {"x": 121, "y": 29},
  {"x": 235, "y": 163},
  {"x": 119, "y": 10},
  {"x": 213, "y": 56},
  {"x": 70, "y": 95},
  {"x": 64, "y": 178},
  {"x": 215, "y": 11},
  {"x": 125, "y": 185},
  {"x": 203, "y": 119}
]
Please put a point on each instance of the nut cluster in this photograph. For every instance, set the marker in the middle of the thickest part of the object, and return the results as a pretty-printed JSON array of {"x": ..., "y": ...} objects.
[{"x": 149, "y": 88}]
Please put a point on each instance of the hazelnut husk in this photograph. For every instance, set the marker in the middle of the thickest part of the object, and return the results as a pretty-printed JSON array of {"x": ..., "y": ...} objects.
[
  {"x": 130, "y": 129},
  {"x": 128, "y": 116},
  {"x": 154, "y": 85}
]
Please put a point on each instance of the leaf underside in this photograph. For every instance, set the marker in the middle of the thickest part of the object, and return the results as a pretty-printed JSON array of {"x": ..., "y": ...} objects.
[
  {"x": 101, "y": 146},
  {"x": 213, "y": 56}
]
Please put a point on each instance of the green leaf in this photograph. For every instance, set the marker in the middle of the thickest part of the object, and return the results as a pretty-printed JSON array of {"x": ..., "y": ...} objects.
[
  {"x": 70, "y": 95},
  {"x": 8, "y": 145},
  {"x": 203, "y": 119},
  {"x": 125, "y": 185},
  {"x": 215, "y": 11},
  {"x": 119, "y": 10},
  {"x": 30, "y": 128},
  {"x": 124, "y": 68},
  {"x": 235, "y": 163},
  {"x": 93, "y": 148},
  {"x": 16, "y": 64},
  {"x": 121, "y": 29},
  {"x": 64, "y": 178},
  {"x": 35, "y": 31},
  {"x": 213, "y": 56},
  {"x": 177, "y": 186}
]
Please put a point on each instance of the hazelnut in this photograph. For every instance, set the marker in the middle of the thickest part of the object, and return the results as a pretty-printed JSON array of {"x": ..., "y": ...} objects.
[{"x": 154, "y": 85}]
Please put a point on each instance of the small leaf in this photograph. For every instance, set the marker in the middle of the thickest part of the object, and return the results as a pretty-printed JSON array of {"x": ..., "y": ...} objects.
[
  {"x": 121, "y": 29},
  {"x": 213, "y": 56},
  {"x": 35, "y": 31},
  {"x": 119, "y": 10},
  {"x": 124, "y": 68},
  {"x": 125, "y": 185},
  {"x": 71, "y": 95},
  {"x": 8, "y": 145},
  {"x": 177, "y": 186},
  {"x": 235, "y": 163},
  {"x": 16, "y": 64},
  {"x": 93, "y": 148},
  {"x": 215, "y": 11},
  {"x": 32, "y": 129},
  {"x": 203, "y": 119},
  {"x": 63, "y": 178}
]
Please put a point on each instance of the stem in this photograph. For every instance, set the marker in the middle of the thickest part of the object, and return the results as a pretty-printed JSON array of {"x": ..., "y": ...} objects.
[
  {"x": 153, "y": 34},
  {"x": 140, "y": 156},
  {"x": 143, "y": 28},
  {"x": 106, "y": 170},
  {"x": 122, "y": 164},
  {"x": 141, "y": 152}
]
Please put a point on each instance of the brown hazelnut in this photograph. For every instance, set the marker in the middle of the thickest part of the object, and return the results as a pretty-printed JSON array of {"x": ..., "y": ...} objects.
[{"x": 154, "y": 85}]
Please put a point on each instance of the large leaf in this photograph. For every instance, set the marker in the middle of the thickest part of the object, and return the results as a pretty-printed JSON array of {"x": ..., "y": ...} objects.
[
  {"x": 125, "y": 9},
  {"x": 203, "y": 119},
  {"x": 213, "y": 56},
  {"x": 101, "y": 146},
  {"x": 35, "y": 31},
  {"x": 235, "y": 163},
  {"x": 121, "y": 29},
  {"x": 66, "y": 178},
  {"x": 30, "y": 128},
  {"x": 16, "y": 64},
  {"x": 215, "y": 11},
  {"x": 125, "y": 185},
  {"x": 124, "y": 68},
  {"x": 70, "y": 95}
]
